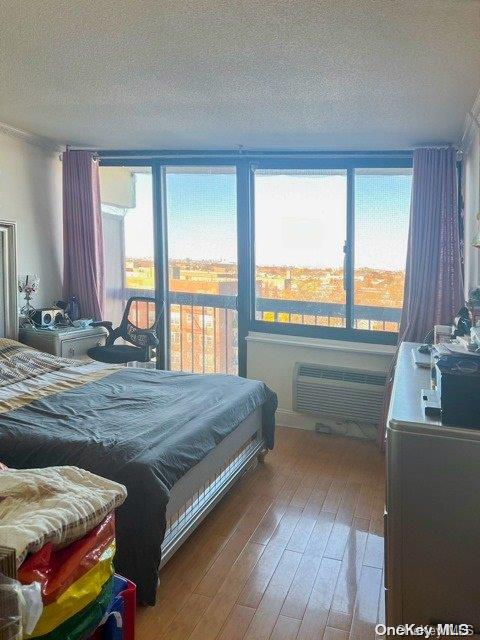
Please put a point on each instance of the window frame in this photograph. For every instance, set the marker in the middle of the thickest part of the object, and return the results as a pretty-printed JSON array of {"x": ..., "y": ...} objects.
[
  {"x": 348, "y": 333},
  {"x": 245, "y": 163}
]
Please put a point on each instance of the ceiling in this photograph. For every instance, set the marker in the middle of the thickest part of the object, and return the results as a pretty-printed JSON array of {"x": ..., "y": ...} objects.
[{"x": 304, "y": 74}]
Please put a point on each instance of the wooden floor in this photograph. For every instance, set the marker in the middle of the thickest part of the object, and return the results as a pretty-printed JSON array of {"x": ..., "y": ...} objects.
[{"x": 295, "y": 550}]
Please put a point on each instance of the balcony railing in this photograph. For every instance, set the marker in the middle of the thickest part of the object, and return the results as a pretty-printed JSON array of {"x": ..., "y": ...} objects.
[
  {"x": 330, "y": 314},
  {"x": 203, "y": 327},
  {"x": 203, "y": 333},
  {"x": 203, "y": 330}
]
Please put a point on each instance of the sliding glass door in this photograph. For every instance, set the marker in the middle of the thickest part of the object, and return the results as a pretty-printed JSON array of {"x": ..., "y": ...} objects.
[{"x": 201, "y": 231}]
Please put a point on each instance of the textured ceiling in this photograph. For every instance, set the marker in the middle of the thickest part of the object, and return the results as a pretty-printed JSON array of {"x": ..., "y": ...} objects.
[{"x": 307, "y": 74}]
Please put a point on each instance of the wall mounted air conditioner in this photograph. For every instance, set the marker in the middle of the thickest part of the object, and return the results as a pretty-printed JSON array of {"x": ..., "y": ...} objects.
[{"x": 338, "y": 393}]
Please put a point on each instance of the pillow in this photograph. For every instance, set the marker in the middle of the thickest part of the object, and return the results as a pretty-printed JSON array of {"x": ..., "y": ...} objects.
[
  {"x": 56, "y": 504},
  {"x": 18, "y": 362}
]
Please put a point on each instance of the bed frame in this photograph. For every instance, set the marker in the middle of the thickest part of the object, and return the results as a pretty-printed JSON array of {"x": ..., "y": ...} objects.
[{"x": 199, "y": 490}]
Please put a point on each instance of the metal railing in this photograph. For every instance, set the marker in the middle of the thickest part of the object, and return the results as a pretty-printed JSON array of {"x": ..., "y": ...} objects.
[
  {"x": 203, "y": 337},
  {"x": 203, "y": 327},
  {"x": 329, "y": 314},
  {"x": 203, "y": 330}
]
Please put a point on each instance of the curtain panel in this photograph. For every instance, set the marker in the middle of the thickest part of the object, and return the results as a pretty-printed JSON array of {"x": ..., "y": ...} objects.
[
  {"x": 434, "y": 280},
  {"x": 84, "y": 268}
]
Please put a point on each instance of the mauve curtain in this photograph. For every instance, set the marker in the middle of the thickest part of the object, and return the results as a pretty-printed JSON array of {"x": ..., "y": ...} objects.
[
  {"x": 433, "y": 281},
  {"x": 84, "y": 269}
]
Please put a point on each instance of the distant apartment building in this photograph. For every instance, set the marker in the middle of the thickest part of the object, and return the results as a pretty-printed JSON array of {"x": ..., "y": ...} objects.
[{"x": 203, "y": 337}]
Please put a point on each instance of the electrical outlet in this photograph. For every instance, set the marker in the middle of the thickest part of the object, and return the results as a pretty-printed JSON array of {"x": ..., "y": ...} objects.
[{"x": 322, "y": 428}]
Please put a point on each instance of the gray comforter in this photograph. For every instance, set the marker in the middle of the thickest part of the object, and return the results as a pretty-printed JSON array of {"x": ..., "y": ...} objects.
[{"x": 142, "y": 428}]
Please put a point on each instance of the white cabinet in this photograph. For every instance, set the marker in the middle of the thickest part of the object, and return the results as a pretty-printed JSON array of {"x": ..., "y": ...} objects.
[
  {"x": 432, "y": 533},
  {"x": 70, "y": 343}
]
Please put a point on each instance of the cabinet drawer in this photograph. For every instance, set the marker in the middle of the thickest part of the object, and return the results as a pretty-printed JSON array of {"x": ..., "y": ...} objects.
[{"x": 77, "y": 348}]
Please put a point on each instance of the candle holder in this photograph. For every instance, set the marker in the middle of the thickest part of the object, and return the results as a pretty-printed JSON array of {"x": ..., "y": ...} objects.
[{"x": 28, "y": 284}]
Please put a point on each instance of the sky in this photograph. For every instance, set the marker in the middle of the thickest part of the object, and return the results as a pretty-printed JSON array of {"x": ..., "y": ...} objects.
[{"x": 300, "y": 219}]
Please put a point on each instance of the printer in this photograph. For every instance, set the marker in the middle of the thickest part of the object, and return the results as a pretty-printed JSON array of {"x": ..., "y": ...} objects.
[{"x": 456, "y": 381}]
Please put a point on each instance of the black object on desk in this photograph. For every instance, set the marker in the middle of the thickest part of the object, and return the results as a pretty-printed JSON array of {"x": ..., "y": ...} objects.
[{"x": 457, "y": 380}]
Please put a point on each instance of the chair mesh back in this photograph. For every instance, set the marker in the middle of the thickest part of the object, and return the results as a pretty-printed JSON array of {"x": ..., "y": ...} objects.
[{"x": 140, "y": 315}]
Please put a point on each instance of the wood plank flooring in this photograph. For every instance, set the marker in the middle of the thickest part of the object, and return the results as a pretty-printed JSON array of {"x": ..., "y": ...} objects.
[{"x": 294, "y": 551}]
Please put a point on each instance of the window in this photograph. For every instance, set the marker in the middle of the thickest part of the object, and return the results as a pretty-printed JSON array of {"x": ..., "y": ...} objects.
[
  {"x": 330, "y": 248},
  {"x": 296, "y": 244},
  {"x": 300, "y": 232},
  {"x": 127, "y": 215},
  {"x": 382, "y": 213}
]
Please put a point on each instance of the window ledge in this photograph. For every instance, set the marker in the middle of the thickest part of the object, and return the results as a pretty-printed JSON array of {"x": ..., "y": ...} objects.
[{"x": 322, "y": 343}]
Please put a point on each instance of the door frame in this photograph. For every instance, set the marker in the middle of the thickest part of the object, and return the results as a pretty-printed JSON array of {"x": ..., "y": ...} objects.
[{"x": 243, "y": 297}]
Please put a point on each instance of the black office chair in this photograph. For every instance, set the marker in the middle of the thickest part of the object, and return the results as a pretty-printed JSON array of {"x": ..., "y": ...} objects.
[{"x": 143, "y": 340}]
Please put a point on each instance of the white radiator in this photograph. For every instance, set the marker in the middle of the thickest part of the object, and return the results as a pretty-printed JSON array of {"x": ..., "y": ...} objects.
[{"x": 338, "y": 393}]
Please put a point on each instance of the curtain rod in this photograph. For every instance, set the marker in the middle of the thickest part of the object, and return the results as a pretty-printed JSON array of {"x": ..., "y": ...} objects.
[
  {"x": 119, "y": 154},
  {"x": 244, "y": 153},
  {"x": 459, "y": 152},
  {"x": 95, "y": 155},
  {"x": 444, "y": 145}
]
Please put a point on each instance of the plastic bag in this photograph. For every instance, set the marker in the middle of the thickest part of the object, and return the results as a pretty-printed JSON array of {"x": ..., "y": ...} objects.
[
  {"x": 31, "y": 605},
  {"x": 119, "y": 621},
  {"x": 20, "y": 607},
  {"x": 84, "y": 623},
  {"x": 78, "y": 595},
  {"x": 57, "y": 570}
]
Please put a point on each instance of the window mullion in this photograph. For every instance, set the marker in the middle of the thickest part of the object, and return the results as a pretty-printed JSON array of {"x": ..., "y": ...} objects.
[
  {"x": 349, "y": 249},
  {"x": 245, "y": 262},
  {"x": 161, "y": 264}
]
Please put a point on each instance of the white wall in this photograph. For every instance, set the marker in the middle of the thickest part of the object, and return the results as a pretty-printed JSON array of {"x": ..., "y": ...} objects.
[
  {"x": 471, "y": 165},
  {"x": 31, "y": 195},
  {"x": 272, "y": 358}
]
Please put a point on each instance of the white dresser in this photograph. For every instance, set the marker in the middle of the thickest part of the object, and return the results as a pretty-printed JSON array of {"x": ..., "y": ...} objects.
[
  {"x": 68, "y": 342},
  {"x": 432, "y": 518}
]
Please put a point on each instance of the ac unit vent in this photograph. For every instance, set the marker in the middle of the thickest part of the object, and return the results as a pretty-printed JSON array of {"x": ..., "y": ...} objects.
[
  {"x": 347, "y": 375},
  {"x": 340, "y": 393}
]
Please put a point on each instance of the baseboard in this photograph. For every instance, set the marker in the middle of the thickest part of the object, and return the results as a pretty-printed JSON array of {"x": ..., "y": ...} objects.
[{"x": 288, "y": 418}]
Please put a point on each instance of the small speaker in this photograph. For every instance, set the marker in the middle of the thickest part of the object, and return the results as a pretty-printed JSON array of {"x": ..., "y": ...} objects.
[{"x": 48, "y": 317}]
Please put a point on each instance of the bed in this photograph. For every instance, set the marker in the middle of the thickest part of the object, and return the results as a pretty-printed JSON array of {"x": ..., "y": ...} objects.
[{"x": 176, "y": 441}]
